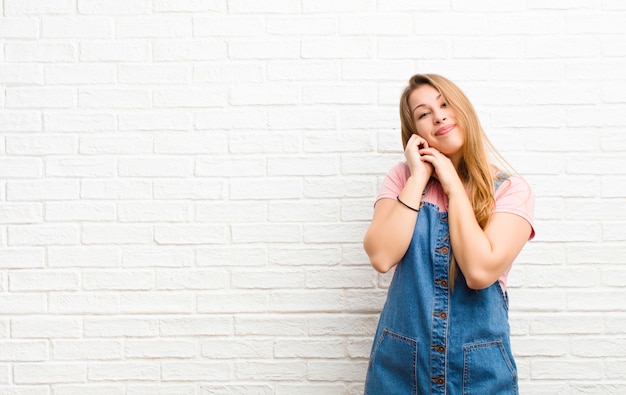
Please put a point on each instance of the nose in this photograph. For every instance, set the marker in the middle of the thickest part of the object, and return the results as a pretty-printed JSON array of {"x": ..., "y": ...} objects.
[{"x": 440, "y": 117}]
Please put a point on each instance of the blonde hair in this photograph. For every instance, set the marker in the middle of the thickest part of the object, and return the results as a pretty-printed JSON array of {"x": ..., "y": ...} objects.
[{"x": 475, "y": 168}]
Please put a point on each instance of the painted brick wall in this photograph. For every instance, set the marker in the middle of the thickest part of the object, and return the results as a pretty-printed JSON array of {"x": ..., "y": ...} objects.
[{"x": 184, "y": 186}]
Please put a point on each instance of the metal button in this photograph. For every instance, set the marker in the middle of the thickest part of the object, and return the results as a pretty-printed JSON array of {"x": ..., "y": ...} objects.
[
  {"x": 440, "y": 349},
  {"x": 438, "y": 380}
]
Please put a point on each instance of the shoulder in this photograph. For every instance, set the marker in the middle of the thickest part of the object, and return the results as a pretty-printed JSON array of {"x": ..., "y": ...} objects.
[
  {"x": 394, "y": 181},
  {"x": 515, "y": 196}
]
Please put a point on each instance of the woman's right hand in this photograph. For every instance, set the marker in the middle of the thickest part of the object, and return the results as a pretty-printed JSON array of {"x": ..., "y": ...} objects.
[{"x": 417, "y": 166}]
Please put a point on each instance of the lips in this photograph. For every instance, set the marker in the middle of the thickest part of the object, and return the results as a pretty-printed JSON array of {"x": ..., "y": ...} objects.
[{"x": 444, "y": 130}]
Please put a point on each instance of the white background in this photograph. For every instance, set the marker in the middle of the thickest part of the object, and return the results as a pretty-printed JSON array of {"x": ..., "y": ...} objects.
[{"x": 185, "y": 184}]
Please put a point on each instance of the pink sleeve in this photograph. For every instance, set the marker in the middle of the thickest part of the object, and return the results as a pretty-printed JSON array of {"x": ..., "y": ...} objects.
[
  {"x": 394, "y": 182},
  {"x": 516, "y": 197}
]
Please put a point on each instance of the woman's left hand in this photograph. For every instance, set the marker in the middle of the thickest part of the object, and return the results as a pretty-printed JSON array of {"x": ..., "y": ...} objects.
[{"x": 443, "y": 169}]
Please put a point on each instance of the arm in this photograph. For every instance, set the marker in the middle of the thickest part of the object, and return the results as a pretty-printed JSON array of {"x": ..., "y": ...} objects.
[
  {"x": 391, "y": 230},
  {"x": 483, "y": 255}
]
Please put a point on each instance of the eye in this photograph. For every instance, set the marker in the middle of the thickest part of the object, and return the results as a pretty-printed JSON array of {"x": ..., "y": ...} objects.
[
  {"x": 444, "y": 104},
  {"x": 422, "y": 115}
]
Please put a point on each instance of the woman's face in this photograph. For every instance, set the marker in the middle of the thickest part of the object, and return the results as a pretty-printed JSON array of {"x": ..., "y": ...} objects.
[{"x": 435, "y": 121}]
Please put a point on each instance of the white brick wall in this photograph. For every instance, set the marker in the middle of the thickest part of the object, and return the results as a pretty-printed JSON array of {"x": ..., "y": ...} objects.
[{"x": 184, "y": 185}]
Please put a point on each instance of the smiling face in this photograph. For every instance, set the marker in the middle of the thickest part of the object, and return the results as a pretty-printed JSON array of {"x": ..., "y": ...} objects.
[{"x": 435, "y": 121}]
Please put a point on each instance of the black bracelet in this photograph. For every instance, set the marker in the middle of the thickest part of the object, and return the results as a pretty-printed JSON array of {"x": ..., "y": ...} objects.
[{"x": 406, "y": 205}]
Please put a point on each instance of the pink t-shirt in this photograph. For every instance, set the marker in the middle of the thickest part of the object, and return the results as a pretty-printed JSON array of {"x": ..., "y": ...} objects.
[{"x": 513, "y": 196}]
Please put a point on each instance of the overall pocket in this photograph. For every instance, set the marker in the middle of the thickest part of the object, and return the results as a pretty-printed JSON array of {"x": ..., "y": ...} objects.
[
  {"x": 487, "y": 369},
  {"x": 392, "y": 366}
]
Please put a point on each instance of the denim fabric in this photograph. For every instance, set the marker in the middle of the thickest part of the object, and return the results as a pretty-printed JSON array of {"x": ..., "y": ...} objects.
[{"x": 434, "y": 340}]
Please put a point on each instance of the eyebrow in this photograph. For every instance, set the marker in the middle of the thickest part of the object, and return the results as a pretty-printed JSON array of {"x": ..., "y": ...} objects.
[{"x": 420, "y": 105}]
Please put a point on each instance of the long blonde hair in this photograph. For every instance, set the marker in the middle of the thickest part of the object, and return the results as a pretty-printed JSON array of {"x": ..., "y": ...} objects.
[{"x": 475, "y": 170}]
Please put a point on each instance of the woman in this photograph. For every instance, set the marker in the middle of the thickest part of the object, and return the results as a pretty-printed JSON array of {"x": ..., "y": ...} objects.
[{"x": 451, "y": 224}]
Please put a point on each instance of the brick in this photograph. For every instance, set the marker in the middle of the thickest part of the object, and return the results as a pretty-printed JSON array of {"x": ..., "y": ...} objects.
[
  {"x": 191, "y": 279},
  {"x": 73, "y": 27},
  {"x": 40, "y": 98},
  {"x": 274, "y": 142},
  {"x": 394, "y": 25},
  {"x": 121, "y": 327},
  {"x": 237, "y": 119},
  {"x": 157, "y": 257},
  {"x": 112, "y": 51},
  {"x": 115, "y": 189},
  {"x": 189, "y": 234},
  {"x": 187, "y": 5},
  {"x": 253, "y": 256},
  {"x": 116, "y": 234},
  {"x": 44, "y": 327},
  {"x": 343, "y": 187},
  {"x": 267, "y": 279},
  {"x": 21, "y": 73},
  {"x": 286, "y": 324},
  {"x": 258, "y": 233},
  {"x": 117, "y": 280},
  {"x": 229, "y": 72},
  {"x": 91, "y": 303},
  {"x": 270, "y": 6},
  {"x": 196, "y": 371},
  {"x": 24, "y": 351},
  {"x": 22, "y": 121},
  {"x": 21, "y": 213},
  {"x": 342, "y": 48},
  {"x": 78, "y": 122},
  {"x": 187, "y": 143},
  {"x": 68, "y": 350},
  {"x": 160, "y": 389},
  {"x": 307, "y": 25},
  {"x": 336, "y": 370},
  {"x": 113, "y": 98},
  {"x": 193, "y": 189},
  {"x": 74, "y": 211},
  {"x": 272, "y": 369},
  {"x": 190, "y": 97},
  {"x": 19, "y": 27},
  {"x": 159, "y": 73},
  {"x": 43, "y": 281},
  {"x": 156, "y": 302},
  {"x": 189, "y": 49},
  {"x": 153, "y": 26},
  {"x": 231, "y": 26},
  {"x": 33, "y": 7},
  {"x": 149, "y": 167},
  {"x": 80, "y": 167},
  {"x": 234, "y": 301},
  {"x": 43, "y": 235},
  {"x": 40, "y": 145},
  {"x": 123, "y": 371},
  {"x": 203, "y": 325},
  {"x": 302, "y": 166},
  {"x": 264, "y": 94},
  {"x": 153, "y": 212},
  {"x": 40, "y": 52},
  {"x": 76, "y": 257},
  {"x": 49, "y": 373},
  {"x": 327, "y": 6},
  {"x": 222, "y": 348},
  {"x": 264, "y": 49},
  {"x": 114, "y": 7},
  {"x": 306, "y": 255},
  {"x": 296, "y": 70},
  {"x": 141, "y": 349},
  {"x": 305, "y": 119},
  {"x": 22, "y": 258},
  {"x": 154, "y": 121},
  {"x": 265, "y": 188},
  {"x": 303, "y": 211},
  {"x": 115, "y": 144}
]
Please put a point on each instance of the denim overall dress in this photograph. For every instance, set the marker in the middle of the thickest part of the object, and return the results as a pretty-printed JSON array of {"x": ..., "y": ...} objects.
[{"x": 432, "y": 339}]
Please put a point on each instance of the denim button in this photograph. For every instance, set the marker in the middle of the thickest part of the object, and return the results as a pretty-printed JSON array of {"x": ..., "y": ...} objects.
[
  {"x": 441, "y": 314},
  {"x": 441, "y": 349},
  {"x": 438, "y": 380}
]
